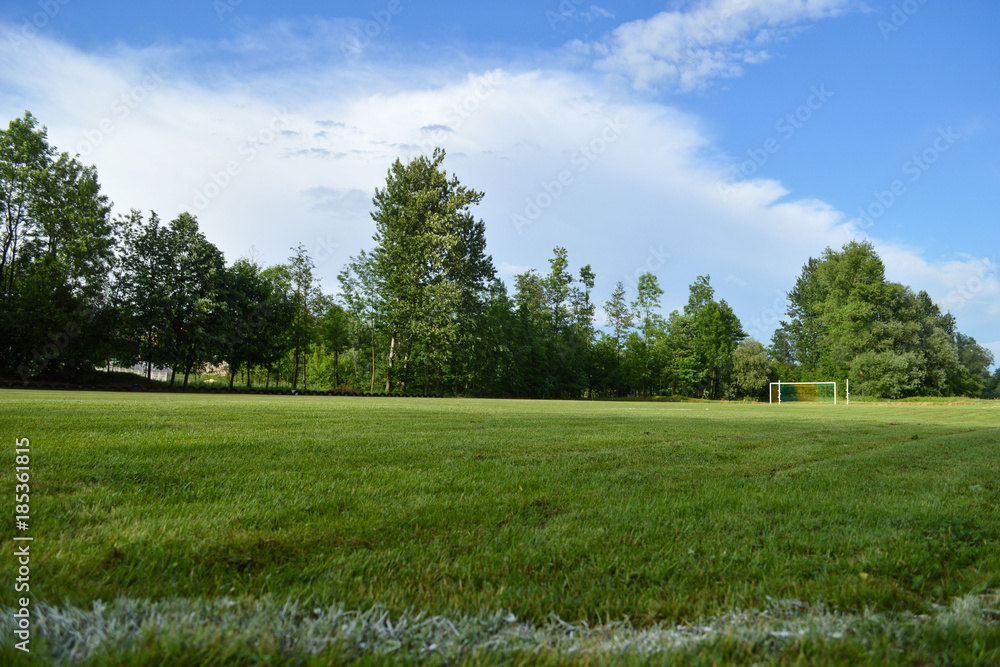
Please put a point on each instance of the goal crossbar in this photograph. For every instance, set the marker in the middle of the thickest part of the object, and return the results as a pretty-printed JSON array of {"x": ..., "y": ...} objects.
[{"x": 779, "y": 385}]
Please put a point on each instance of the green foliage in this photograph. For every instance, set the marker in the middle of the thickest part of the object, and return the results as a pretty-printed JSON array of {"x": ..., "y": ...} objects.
[
  {"x": 171, "y": 295},
  {"x": 307, "y": 305},
  {"x": 431, "y": 269},
  {"x": 56, "y": 251},
  {"x": 847, "y": 321},
  {"x": 551, "y": 333},
  {"x": 702, "y": 341},
  {"x": 621, "y": 316},
  {"x": 752, "y": 369},
  {"x": 992, "y": 388},
  {"x": 259, "y": 306}
]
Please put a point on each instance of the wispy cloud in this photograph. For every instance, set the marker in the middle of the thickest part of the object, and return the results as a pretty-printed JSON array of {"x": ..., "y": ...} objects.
[{"x": 686, "y": 49}]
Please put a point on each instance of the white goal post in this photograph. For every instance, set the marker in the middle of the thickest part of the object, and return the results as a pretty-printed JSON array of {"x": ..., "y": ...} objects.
[{"x": 790, "y": 392}]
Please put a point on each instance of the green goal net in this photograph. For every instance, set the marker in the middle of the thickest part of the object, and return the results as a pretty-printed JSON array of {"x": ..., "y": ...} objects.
[{"x": 803, "y": 392}]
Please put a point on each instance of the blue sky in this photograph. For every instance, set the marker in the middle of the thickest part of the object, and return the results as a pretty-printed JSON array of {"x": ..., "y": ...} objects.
[{"x": 729, "y": 137}]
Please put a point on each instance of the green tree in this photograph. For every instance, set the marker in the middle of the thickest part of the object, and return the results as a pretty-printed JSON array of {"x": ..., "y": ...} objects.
[
  {"x": 646, "y": 303},
  {"x": 143, "y": 279},
  {"x": 56, "y": 253},
  {"x": 429, "y": 262},
  {"x": 558, "y": 287},
  {"x": 974, "y": 357},
  {"x": 846, "y": 319},
  {"x": 620, "y": 316},
  {"x": 360, "y": 290},
  {"x": 752, "y": 369},
  {"x": 336, "y": 335},
  {"x": 702, "y": 341},
  {"x": 197, "y": 300},
  {"x": 258, "y": 310},
  {"x": 992, "y": 388},
  {"x": 307, "y": 302},
  {"x": 583, "y": 310}
]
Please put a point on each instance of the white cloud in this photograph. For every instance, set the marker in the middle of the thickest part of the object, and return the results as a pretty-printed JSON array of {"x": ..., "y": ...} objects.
[
  {"x": 685, "y": 49},
  {"x": 508, "y": 270}
]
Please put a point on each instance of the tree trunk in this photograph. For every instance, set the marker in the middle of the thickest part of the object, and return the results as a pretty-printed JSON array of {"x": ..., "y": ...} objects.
[
  {"x": 232, "y": 377},
  {"x": 187, "y": 373},
  {"x": 373, "y": 359},
  {"x": 406, "y": 366},
  {"x": 393, "y": 343}
]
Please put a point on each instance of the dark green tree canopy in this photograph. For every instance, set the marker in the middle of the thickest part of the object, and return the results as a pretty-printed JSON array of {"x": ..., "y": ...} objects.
[
  {"x": 847, "y": 321},
  {"x": 56, "y": 250}
]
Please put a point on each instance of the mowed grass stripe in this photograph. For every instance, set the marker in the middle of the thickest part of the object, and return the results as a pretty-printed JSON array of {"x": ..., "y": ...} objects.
[{"x": 593, "y": 511}]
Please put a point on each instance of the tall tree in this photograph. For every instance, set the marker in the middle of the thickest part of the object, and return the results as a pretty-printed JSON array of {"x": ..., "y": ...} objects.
[
  {"x": 429, "y": 260},
  {"x": 56, "y": 251},
  {"x": 361, "y": 292},
  {"x": 307, "y": 300},
  {"x": 620, "y": 316},
  {"x": 752, "y": 369},
  {"x": 646, "y": 305},
  {"x": 702, "y": 341},
  {"x": 336, "y": 335},
  {"x": 258, "y": 310},
  {"x": 197, "y": 297},
  {"x": 143, "y": 279}
]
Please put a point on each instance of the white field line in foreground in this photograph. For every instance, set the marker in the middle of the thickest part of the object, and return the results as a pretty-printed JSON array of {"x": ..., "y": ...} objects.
[{"x": 74, "y": 634}]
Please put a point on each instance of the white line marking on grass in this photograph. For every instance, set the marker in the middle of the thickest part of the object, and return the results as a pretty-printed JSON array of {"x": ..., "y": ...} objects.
[{"x": 73, "y": 634}]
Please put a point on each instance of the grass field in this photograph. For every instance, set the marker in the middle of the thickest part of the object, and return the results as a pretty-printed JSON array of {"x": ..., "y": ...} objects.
[{"x": 297, "y": 530}]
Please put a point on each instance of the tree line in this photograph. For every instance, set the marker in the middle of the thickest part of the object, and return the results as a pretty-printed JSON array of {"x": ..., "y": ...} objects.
[{"x": 423, "y": 311}]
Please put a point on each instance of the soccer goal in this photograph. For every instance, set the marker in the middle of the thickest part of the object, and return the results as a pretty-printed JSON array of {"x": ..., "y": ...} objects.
[{"x": 802, "y": 392}]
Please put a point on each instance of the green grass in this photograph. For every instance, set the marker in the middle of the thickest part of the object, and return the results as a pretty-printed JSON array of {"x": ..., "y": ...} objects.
[{"x": 658, "y": 514}]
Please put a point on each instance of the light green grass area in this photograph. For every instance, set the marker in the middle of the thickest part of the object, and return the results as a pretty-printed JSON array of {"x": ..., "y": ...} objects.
[{"x": 591, "y": 514}]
